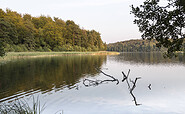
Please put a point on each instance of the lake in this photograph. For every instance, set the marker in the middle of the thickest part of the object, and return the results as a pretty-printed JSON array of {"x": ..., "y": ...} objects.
[{"x": 88, "y": 84}]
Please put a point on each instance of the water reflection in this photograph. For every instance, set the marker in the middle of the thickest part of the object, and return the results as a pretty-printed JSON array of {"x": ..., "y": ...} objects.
[
  {"x": 45, "y": 74},
  {"x": 148, "y": 58},
  {"x": 160, "y": 89},
  {"x": 96, "y": 82}
]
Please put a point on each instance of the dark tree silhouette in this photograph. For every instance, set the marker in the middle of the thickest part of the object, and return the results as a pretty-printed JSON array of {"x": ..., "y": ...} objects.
[{"x": 165, "y": 23}]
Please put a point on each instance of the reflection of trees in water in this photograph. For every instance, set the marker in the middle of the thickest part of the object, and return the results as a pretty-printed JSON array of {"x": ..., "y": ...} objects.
[
  {"x": 46, "y": 73},
  {"x": 149, "y": 58}
]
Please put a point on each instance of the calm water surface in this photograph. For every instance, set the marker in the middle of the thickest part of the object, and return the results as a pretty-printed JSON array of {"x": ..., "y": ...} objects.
[{"x": 58, "y": 82}]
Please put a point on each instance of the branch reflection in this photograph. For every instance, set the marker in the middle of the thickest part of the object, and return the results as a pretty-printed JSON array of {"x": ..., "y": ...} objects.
[{"x": 89, "y": 82}]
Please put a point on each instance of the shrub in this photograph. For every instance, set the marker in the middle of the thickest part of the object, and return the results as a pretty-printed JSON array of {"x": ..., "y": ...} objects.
[
  {"x": 83, "y": 49},
  {"x": 77, "y": 48},
  {"x": 40, "y": 49},
  {"x": 9, "y": 48},
  {"x": 46, "y": 49},
  {"x": 89, "y": 49},
  {"x": 67, "y": 48},
  {"x": 94, "y": 48},
  {"x": 56, "y": 49},
  {"x": 59, "y": 48}
]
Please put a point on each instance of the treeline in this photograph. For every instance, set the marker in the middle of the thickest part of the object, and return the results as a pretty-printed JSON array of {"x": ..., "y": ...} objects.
[
  {"x": 134, "y": 46},
  {"x": 19, "y": 33}
]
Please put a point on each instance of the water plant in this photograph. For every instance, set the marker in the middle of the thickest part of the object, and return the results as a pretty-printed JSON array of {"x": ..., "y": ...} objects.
[{"x": 21, "y": 107}]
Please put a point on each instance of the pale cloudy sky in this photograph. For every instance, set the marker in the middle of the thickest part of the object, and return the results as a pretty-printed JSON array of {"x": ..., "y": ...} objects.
[{"x": 111, "y": 18}]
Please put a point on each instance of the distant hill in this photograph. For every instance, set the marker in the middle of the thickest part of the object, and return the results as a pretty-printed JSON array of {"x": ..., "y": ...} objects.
[{"x": 134, "y": 46}]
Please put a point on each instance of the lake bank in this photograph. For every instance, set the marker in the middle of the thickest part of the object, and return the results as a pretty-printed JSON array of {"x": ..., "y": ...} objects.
[{"x": 16, "y": 55}]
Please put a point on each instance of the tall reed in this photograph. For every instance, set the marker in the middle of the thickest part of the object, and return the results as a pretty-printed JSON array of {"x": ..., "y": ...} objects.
[{"x": 21, "y": 107}]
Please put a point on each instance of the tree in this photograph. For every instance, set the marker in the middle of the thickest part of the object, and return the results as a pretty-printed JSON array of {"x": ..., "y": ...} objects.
[
  {"x": 165, "y": 23},
  {"x": 26, "y": 33},
  {"x": 73, "y": 33},
  {"x": 2, "y": 51},
  {"x": 8, "y": 34},
  {"x": 53, "y": 35}
]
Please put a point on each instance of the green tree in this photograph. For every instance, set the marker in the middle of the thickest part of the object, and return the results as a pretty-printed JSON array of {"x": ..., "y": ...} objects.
[
  {"x": 2, "y": 51},
  {"x": 84, "y": 39},
  {"x": 164, "y": 23},
  {"x": 2, "y": 13},
  {"x": 8, "y": 33},
  {"x": 73, "y": 32},
  {"x": 53, "y": 35},
  {"x": 26, "y": 33},
  {"x": 27, "y": 17},
  {"x": 29, "y": 35}
]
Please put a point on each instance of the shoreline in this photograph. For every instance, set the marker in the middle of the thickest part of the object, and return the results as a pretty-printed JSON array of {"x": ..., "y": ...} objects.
[
  {"x": 17, "y": 55},
  {"x": 60, "y": 53}
]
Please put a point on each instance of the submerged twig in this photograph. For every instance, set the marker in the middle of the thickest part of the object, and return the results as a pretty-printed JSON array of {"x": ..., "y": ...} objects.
[
  {"x": 126, "y": 78},
  {"x": 114, "y": 79},
  {"x": 97, "y": 82},
  {"x": 134, "y": 83},
  {"x": 134, "y": 99},
  {"x": 133, "y": 87},
  {"x": 149, "y": 86},
  {"x": 88, "y": 82}
]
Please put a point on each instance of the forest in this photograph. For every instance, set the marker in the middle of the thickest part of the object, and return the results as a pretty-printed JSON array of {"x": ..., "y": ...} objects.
[
  {"x": 135, "y": 46},
  {"x": 23, "y": 32}
]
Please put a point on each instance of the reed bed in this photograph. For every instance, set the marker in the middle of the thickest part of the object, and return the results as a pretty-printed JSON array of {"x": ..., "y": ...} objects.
[{"x": 16, "y": 55}]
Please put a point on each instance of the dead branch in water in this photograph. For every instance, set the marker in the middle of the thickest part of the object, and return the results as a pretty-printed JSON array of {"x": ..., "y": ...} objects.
[
  {"x": 126, "y": 78},
  {"x": 133, "y": 87},
  {"x": 114, "y": 79},
  {"x": 88, "y": 82},
  {"x": 149, "y": 86},
  {"x": 134, "y": 99},
  {"x": 134, "y": 83}
]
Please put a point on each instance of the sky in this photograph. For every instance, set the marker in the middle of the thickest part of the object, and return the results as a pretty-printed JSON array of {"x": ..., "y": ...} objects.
[{"x": 111, "y": 18}]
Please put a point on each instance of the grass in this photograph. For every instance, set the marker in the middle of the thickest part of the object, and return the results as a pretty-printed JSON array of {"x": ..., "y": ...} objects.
[
  {"x": 15, "y": 55},
  {"x": 56, "y": 53},
  {"x": 21, "y": 107}
]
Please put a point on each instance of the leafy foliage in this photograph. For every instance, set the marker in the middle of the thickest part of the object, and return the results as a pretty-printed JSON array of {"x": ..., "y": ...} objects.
[
  {"x": 26, "y": 33},
  {"x": 166, "y": 23},
  {"x": 2, "y": 51}
]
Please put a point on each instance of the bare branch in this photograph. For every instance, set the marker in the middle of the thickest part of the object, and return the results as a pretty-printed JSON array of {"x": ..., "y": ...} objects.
[
  {"x": 88, "y": 82},
  {"x": 133, "y": 87},
  {"x": 114, "y": 79},
  {"x": 126, "y": 78}
]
